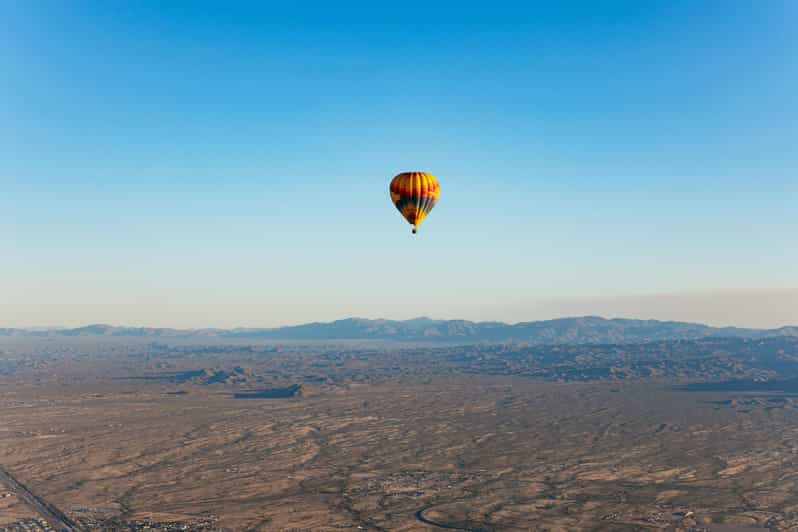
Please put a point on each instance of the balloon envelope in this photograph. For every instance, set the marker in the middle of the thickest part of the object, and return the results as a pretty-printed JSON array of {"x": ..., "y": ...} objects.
[{"x": 415, "y": 194}]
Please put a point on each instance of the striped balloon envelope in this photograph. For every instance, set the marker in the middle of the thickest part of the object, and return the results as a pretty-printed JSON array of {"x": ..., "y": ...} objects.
[{"x": 415, "y": 194}]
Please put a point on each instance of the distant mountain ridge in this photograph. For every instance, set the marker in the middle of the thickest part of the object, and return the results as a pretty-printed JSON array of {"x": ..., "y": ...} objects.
[{"x": 579, "y": 330}]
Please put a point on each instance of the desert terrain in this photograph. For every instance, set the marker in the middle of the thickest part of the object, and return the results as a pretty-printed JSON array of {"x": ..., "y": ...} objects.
[{"x": 128, "y": 434}]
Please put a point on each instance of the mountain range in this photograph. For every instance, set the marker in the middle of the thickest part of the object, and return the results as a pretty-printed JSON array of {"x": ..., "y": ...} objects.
[{"x": 579, "y": 330}]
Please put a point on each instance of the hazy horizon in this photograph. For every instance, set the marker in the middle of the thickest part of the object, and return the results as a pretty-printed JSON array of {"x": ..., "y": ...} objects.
[{"x": 762, "y": 310}]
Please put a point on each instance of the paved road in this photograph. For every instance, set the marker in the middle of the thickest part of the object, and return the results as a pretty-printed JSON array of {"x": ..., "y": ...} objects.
[
  {"x": 48, "y": 512},
  {"x": 420, "y": 517}
]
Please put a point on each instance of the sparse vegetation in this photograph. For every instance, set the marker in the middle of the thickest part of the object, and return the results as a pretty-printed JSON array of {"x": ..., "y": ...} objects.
[{"x": 121, "y": 432}]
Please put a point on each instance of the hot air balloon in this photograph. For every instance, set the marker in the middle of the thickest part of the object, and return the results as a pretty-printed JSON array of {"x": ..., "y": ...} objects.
[{"x": 415, "y": 194}]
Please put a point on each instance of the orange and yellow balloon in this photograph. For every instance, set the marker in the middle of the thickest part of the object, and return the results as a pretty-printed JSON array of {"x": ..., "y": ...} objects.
[{"x": 415, "y": 194}]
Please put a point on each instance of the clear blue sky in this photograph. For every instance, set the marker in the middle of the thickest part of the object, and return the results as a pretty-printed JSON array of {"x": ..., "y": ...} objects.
[{"x": 215, "y": 163}]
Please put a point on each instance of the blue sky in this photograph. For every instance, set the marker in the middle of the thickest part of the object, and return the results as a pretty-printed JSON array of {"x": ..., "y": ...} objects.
[{"x": 206, "y": 164}]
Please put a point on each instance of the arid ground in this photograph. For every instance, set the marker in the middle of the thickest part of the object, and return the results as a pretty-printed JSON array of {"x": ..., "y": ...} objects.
[{"x": 133, "y": 434}]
